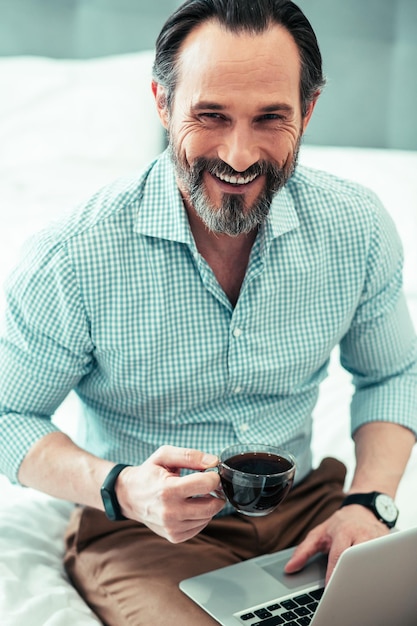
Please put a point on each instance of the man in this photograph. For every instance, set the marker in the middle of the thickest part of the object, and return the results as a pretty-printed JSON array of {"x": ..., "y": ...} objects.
[{"x": 197, "y": 307}]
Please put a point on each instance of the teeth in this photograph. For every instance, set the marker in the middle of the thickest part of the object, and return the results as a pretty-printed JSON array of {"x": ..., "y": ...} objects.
[{"x": 236, "y": 180}]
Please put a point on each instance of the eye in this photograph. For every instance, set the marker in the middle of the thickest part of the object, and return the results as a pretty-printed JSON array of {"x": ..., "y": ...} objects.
[
  {"x": 268, "y": 117},
  {"x": 210, "y": 115},
  {"x": 212, "y": 120}
]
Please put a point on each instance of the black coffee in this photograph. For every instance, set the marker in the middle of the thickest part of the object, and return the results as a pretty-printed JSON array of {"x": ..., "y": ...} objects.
[
  {"x": 259, "y": 463},
  {"x": 259, "y": 490}
]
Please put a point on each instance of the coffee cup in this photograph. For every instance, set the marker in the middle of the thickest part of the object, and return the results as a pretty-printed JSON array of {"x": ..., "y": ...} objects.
[{"x": 255, "y": 478}]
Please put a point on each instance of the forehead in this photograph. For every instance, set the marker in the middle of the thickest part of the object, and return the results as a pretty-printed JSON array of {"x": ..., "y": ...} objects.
[{"x": 214, "y": 60}]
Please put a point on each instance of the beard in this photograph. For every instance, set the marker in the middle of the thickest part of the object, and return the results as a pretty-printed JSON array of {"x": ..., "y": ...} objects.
[{"x": 233, "y": 217}]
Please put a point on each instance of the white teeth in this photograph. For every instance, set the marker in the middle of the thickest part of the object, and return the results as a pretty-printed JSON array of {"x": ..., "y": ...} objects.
[{"x": 236, "y": 180}]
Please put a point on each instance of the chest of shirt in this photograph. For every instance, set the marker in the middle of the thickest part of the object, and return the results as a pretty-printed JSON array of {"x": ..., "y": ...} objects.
[{"x": 160, "y": 321}]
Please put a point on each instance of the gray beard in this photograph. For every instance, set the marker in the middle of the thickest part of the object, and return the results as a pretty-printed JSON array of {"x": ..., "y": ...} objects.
[{"x": 233, "y": 217}]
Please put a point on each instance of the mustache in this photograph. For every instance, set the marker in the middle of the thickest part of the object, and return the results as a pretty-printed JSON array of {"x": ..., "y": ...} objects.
[{"x": 217, "y": 167}]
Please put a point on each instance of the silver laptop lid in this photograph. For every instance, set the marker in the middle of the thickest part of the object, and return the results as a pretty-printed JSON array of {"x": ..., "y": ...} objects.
[{"x": 373, "y": 584}]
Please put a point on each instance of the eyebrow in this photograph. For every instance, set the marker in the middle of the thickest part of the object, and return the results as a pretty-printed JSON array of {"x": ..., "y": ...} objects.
[
  {"x": 278, "y": 106},
  {"x": 269, "y": 108},
  {"x": 211, "y": 106}
]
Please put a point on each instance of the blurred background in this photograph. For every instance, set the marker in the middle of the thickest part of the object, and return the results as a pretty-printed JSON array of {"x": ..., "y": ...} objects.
[{"x": 369, "y": 49}]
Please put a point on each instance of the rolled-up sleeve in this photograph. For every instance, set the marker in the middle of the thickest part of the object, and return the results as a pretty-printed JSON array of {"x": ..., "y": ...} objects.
[
  {"x": 380, "y": 349},
  {"x": 45, "y": 349}
]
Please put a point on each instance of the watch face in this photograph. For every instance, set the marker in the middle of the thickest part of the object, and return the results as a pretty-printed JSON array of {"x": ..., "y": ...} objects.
[{"x": 386, "y": 507}]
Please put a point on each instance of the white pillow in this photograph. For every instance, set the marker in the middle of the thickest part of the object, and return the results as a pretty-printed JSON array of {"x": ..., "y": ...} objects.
[
  {"x": 68, "y": 127},
  {"x": 97, "y": 109}
]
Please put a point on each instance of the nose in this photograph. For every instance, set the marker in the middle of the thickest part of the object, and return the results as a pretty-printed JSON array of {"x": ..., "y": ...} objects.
[{"x": 239, "y": 147}]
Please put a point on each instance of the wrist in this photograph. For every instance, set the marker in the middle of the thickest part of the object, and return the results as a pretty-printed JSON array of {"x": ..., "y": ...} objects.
[
  {"x": 381, "y": 482},
  {"x": 110, "y": 495},
  {"x": 380, "y": 504}
]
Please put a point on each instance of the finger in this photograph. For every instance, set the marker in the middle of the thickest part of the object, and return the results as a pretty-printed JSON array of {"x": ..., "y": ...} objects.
[
  {"x": 335, "y": 552},
  {"x": 199, "y": 483},
  {"x": 343, "y": 541},
  {"x": 311, "y": 545},
  {"x": 187, "y": 520},
  {"x": 201, "y": 507},
  {"x": 179, "y": 535},
  {"x": 174, "y": 458}
]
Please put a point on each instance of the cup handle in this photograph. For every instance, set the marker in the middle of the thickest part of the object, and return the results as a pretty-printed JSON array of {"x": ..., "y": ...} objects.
[{"x": 216, "y": 493}]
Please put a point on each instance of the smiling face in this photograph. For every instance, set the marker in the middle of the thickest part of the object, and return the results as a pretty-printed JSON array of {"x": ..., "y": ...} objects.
[{"x": 235, "y": 123}]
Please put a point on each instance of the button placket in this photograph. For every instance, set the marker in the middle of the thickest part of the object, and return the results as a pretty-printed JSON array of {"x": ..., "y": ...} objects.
[{"x": 237, "y": 334}]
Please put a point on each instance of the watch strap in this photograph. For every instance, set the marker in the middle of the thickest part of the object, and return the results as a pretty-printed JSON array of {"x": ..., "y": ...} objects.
[
  {"x": 108, "y": 494},
  {"x": 368, "y": 500},
  {"x": 365, "y": 499}
]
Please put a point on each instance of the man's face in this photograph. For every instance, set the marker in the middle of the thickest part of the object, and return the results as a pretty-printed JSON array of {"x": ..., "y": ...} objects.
[{"x": 235, "y": 123}]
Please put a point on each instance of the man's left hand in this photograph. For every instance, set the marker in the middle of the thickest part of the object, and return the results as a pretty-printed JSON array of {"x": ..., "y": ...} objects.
[{"x": 347, "y": 527}]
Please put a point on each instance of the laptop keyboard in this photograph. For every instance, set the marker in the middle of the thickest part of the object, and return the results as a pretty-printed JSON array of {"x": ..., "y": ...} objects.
[{"x": 297, "y": 610}]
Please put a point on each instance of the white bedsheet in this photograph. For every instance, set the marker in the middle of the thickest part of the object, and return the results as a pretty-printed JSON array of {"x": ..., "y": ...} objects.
[{"x": 66, "y": 128}]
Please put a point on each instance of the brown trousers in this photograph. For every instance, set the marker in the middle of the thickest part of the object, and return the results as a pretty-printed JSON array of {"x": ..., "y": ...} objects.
[{"x": 129, "y": 575}]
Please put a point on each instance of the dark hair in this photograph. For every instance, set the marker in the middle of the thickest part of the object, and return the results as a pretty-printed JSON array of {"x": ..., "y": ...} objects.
[{"x": 253, "y": 16}]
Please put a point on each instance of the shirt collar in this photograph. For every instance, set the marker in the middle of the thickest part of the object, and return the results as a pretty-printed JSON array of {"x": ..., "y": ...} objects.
[
  {"x": 162, "y": 213},
  {"x": 282, "y": 214}
]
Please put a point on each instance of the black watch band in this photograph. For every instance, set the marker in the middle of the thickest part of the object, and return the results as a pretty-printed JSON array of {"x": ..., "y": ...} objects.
[{"x": 108, "y": 494}]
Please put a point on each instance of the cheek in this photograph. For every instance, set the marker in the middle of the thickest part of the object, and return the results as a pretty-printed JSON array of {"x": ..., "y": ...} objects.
[
  {"x": 191, "y": 140},
  {"x": 188, "y": 140},
  {"x": 284, "y": 145}
]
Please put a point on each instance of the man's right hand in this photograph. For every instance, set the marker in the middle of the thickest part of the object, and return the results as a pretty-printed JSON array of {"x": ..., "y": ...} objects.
[{"x": 156, "y": 495}]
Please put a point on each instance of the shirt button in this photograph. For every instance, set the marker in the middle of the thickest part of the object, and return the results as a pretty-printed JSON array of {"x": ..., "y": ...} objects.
[
  {"x": 237, "y": 332},
  {"x": 244, "y": 428}
]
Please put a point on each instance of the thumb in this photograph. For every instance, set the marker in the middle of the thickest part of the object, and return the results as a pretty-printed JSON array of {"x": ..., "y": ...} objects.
[{"x": 174, "y": 458}]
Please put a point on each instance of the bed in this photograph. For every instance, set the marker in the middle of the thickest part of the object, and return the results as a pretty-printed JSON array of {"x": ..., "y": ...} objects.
[{"x": 67, "y": 128}]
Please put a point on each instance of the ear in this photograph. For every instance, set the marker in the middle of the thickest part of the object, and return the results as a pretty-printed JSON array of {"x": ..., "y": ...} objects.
[
  {"x": 161, "y": 103},
  {"x": 310, "y": 110}
]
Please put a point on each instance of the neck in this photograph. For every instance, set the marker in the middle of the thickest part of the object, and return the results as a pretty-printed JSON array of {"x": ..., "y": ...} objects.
[{"x": 227, "y": 256}]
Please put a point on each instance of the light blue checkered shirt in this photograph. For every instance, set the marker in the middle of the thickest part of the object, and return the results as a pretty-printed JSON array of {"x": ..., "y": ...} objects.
[{"x": 115, "y": 302}]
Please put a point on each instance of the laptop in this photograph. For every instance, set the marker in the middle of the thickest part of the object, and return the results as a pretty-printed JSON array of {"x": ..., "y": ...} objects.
[{"x": 373, "y": 584}]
